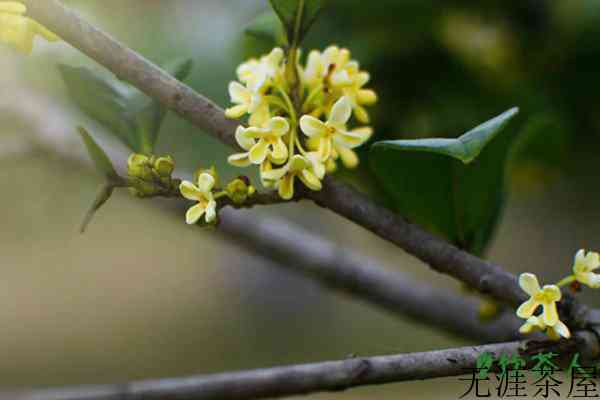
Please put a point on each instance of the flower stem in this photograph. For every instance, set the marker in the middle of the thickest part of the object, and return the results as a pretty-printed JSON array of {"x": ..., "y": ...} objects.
[{"x": 566, "y": 281}]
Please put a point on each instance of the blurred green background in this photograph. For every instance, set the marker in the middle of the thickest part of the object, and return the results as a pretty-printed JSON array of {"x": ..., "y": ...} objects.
[{"x": 143, "y": 296}]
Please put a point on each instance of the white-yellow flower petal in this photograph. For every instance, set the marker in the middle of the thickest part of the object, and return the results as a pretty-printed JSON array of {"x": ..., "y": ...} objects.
[
  {"x": 280, "y": 152},
  {"x": 279, "y": 126},
  {"x": 236, "y": 112},
  {"x": 194, "y": 214},
  {"x": 366, "y": 97},
  {"x": 341, "y": 112},
  {"x": 240, "y": 160},
  {"x": 239, "y": 93},
  {"x": 190, "y": 191},
  {"x": 589, "y": 278},
  {"x": 312, "y": 127},
  {"x": 552, "y": 293},
  {"x": 310, "y": 180},
  {"x": 527, "y": 309},
  {"x": 286, "y": 187},
  {"x": 348, "y": 156},
  {"x": 211, "y": 212},
  {"x": 529, "y": 283},
  {"x": 297, "y": 164},
  {"x": 561, "y": 330},
  {"x": 325, "y": 148},
  {"x": 259, "y": 152},
  {"x": 244, "y": 139},
  {"x": 206, "y": 182},
  {"x": 550, "y": 314}
]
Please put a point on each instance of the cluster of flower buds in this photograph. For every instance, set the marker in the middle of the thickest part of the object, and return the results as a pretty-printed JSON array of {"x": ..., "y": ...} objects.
[
  {"x": 547, "y": 297},
  {"x": 18, "y": 30},
  {"x": 298, "y": 128},
  {"x": 151, "y": 176}
]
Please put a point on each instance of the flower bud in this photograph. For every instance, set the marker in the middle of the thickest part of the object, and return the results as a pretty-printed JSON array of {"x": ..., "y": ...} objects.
[
  {"x": 239, "y": 190},
  {"x": 138, "y": 166},
  {"x": 164, "y": 166}
]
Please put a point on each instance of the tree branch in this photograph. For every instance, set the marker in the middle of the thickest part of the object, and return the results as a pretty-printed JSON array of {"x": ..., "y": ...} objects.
[
  {"x": 310, "y": 378},
  {"x": 336, "y": 196},
  {"x": 340, "y": 268}
]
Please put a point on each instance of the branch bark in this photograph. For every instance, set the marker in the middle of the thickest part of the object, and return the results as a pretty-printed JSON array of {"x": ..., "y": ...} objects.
[
  {"x": 336, "y": 196},
  {"x": 309, "y": 378}
]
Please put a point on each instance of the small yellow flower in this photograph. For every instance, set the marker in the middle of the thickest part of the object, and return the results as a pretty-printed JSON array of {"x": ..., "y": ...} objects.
[
  {"x": 546, "y": 297},
  {"x": 298, "y": 166},
  {"x": 333, "y": 130},
  {"x": 583, "y": 266},
  {"x": 202, "y": 193},
  {"x": 269, "y": 141},
  {"x": 247, "y": 100},
  {"x": 18, "y": 30},
  {"x": 258, "y": 74},
  {"x": 555, "y": 332},
  {"x": 246, "y": 143}
]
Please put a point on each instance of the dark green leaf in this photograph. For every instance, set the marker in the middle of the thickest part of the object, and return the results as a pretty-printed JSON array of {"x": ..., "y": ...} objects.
[
  {"x": 453, "y": 187},
  {"x": 297, "y": 16},
  {"x": 102, "y": 197},
  {"x": 130, "y": 114},
  {"x": 268, "y": 29},
  {"x": 99, "y": 157}
]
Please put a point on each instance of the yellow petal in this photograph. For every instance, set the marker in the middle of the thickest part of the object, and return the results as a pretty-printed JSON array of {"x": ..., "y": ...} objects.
[
  {"x": 325, "y": 148},
  {"x": 366, "y": 97},
  {"x": 552, "y": 293},
  {"x": 272, "y": 174},
  {"x": 279, "y": 126},
  {"x": 529, "y": 283},
  {"x": 190, "y": 191},
  {"x": 243, "y": 138},
  {"x": 194, "y": 214},
  {"x": 348, "y": 156},
  {"x": 589, "y": 278},
  {"x": 341, "y": 112},
  {"x": 561, "y": 329},
  {"x": 550, "y": 314},
  {"x": 361, "y": 114},
  {"x": 239, "y": 93},
  {"x": 310, "y": 180},
  {"x": 286, "y": 187},
  {"x": 527, "y": 309},
  {"x": 312, "y": 127},
  {"x": 279, "y": 154},
  {"x": 298, "y": 163},
  {"x": 206, "y": 182},
  {"x": 261, "y": 115},
  {"x": 211, "y": 212},
  {"x": 236, "y": 111},
  {"x": 240, "y": 160},
  {"x": 259, "y": 152}
]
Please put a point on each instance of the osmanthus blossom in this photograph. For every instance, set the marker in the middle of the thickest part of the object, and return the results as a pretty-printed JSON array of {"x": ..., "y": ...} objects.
[
  {"x": 201, "y": 192},
  {"x": 333, "y": 130},
  {"x": 546, "y": 297},
  {"x": 285, "y": 134},
  {"x": 583, "y": 267},
  {"x": 298, "y": 167},
  {"x": 18, "y": 30}
]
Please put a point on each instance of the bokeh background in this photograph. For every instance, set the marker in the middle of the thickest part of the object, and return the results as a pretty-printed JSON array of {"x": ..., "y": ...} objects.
[{"x": 141, "y": 295}]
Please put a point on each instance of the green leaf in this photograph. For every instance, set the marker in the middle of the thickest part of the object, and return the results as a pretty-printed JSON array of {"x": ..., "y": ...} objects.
[
  {"x": 99, "y": 157},
  {"x": 453, "y": 187},
  {"x": 267, "y": 28},
  {"x": 131, "y": 115},
  {"x": 297, "y": 17}
]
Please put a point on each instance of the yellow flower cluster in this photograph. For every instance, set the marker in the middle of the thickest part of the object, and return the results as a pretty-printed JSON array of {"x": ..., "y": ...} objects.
[
  {"x": 548, "y": 320},
  {"x": 298, "y": 128},
  {"x": 18, "y": 30}
]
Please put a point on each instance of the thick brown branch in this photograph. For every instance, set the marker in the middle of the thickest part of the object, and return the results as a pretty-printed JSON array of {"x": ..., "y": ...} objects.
[{"x": 308, "y": 378}]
